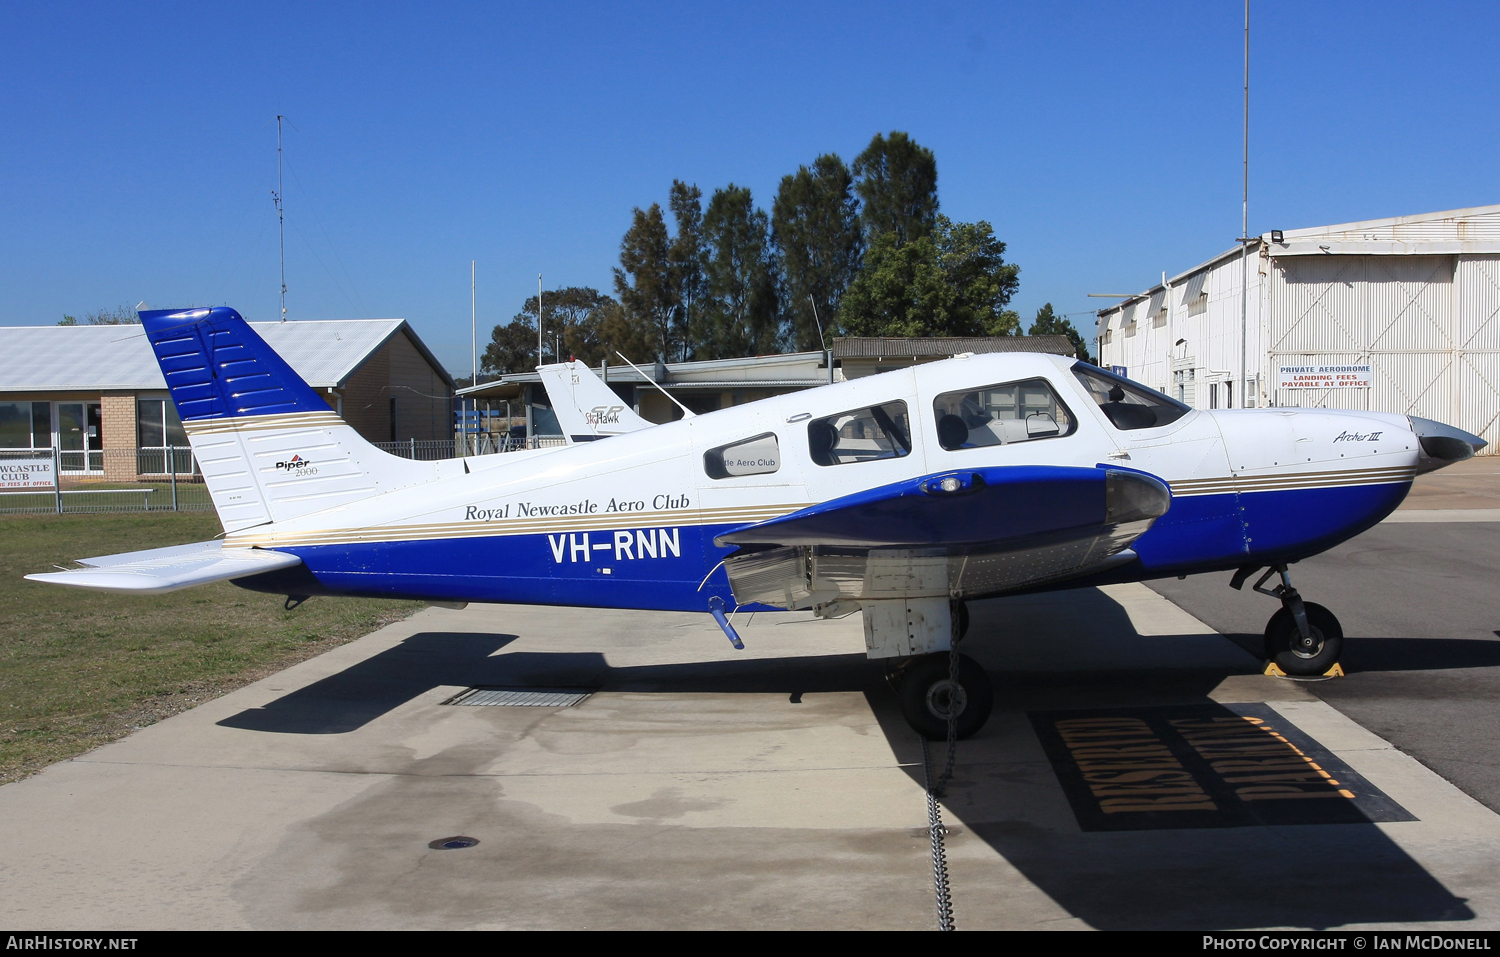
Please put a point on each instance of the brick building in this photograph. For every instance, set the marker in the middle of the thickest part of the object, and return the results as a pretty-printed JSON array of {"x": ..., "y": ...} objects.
[{"x": 96, "y": 394}]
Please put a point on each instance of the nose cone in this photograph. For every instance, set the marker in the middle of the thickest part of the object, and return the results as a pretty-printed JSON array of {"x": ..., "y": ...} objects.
[{"x": 1443, "y": 444}]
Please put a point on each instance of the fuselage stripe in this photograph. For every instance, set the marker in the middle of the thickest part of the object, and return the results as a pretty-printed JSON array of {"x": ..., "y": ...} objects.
[{"x": 441, "y": 530}]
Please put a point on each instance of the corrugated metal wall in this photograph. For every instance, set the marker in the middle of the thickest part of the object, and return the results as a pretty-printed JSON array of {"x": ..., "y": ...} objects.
[
  {"x": 1477, "y": 370},
  {"x": 1427, "y": 325}
]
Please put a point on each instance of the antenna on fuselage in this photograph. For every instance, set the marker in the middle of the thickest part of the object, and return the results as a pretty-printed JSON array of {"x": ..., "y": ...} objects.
[
  {"x": 686, "y": 412},
  {"x": 827, "y": 352}
]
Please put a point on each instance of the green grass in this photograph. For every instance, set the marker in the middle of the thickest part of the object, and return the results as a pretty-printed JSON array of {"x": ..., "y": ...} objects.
[{"x": 81, "y": 668}]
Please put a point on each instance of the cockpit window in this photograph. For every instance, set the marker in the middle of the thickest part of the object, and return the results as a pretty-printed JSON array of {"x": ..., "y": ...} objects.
[
  {"x": 1128, "y": 405},
  {"x": 1000, "y": 415},
  {"x": 863, "y": 435}
]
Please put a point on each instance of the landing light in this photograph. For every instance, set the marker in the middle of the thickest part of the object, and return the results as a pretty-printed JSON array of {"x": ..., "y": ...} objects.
[{"x": 954, "y": 484}]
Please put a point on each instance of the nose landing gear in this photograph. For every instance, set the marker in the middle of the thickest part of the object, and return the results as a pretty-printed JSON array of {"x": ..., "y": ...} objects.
[{"x": 1302, "y": 638}]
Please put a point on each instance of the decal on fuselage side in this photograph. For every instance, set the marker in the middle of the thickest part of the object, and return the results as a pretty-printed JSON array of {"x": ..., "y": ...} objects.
[
  {"x": 587, "y": 506},
  {"x": 621, "y": 545}
]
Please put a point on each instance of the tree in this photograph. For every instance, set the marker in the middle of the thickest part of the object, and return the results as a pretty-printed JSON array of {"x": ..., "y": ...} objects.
[
  {"x": 685, "y": 268},
  {"x": 122, "y": 316},
  {"x": 1049, "y": 323},
  {"x": 897, "y": 179},
  {"x": 643, "y": 281},
  {"x": 741, "y": 309},
  {"x": 584, "y": 318},
  {"x": 512, "y": 347},
  {"x": 953, "y": 281},
  {"x": 815, "y": 221}
]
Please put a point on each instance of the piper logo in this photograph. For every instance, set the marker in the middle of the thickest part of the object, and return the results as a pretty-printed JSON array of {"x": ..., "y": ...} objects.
[
  {"x": 297, "y": 466},
  {"x": 599, "y": 415}
]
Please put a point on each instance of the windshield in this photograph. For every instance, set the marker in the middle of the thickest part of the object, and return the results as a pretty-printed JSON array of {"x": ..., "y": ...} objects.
[{"x": 1128, "y": 405}]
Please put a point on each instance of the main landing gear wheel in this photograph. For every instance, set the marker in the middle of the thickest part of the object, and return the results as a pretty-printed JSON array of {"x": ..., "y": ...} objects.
[
  {"x": 927, "y": 694},
  {"x": 1313, "y": 654}
]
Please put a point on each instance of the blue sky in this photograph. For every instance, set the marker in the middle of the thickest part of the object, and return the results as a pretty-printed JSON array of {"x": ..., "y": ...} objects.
[{"x": 1102, "y": 141}]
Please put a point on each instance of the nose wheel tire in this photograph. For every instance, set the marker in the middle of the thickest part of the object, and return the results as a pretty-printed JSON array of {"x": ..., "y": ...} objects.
[
  {"x": 1312, "y": 655},
  {"x": 927, "y": 694}
]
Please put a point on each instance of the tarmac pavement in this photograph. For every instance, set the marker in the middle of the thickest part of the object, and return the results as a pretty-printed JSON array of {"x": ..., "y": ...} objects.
[{"x": 772, "y": 788}]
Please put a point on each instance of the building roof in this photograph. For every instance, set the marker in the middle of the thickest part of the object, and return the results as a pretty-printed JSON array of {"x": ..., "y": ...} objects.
[
  {"x": 1475, "y": 229},
  {"x": 894, "y": 348},
  {"x": 751, "y": 372},
  {"x": 110, "y": 358}
]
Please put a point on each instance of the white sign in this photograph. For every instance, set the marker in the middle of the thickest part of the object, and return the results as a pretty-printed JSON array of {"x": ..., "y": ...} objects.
[
  {"x": 26, "y": 473},
  {"x": 1324, "y": 377}
]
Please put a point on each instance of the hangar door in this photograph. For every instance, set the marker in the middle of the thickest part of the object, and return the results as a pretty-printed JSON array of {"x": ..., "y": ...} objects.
[{"x": 1395, "y": 313}]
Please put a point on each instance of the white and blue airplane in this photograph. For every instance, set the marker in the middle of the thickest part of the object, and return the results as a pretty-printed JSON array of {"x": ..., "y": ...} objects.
[{"x": 900, "y": 496}]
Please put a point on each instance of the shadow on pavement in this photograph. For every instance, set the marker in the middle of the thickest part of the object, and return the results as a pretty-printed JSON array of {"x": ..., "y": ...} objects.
[{"x": 356, "y": 696}]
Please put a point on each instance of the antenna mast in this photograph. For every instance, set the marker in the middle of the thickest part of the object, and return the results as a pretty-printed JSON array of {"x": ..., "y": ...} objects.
[
  {"x": 280, "y": 217},
  {"x": 1245, "y": 235},
  {"x": 473, "y": 329}
]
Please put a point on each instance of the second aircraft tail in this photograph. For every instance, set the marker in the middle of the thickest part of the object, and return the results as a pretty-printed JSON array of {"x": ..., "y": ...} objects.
[{"x": 586, "y": 408}]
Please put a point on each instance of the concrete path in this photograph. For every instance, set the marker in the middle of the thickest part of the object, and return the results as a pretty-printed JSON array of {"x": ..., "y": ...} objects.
[{"x": 702, "y": 787}]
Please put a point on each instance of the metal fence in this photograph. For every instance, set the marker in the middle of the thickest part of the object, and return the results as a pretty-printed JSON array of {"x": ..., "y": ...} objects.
[
  {"x": 168, "y": 479},
  {"x": 100, "y": 480},
  {"x": 475, "y": 443}
]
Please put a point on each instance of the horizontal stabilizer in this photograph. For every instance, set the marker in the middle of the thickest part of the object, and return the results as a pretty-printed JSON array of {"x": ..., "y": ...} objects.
[{"x": 158, "y": 570}]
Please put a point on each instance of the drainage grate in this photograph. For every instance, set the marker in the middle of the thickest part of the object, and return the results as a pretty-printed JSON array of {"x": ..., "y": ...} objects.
[
  {"x": 521, "y": 697},
  {"x": 456, "y": 843}
]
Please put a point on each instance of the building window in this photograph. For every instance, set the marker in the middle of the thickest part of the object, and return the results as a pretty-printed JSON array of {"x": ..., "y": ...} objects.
[
  {"x": 863, "y": 435},
  {"x": 158, "y": 430},
  {"x": 1000, "y": 415},
  {"x": 25, "y": 425}
]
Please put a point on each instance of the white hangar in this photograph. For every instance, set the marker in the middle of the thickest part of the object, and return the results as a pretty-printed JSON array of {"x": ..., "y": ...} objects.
[{"x": 1392, "y": 315}]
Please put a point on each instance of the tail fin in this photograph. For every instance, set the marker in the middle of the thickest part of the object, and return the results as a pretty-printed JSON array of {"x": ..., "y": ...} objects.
[
  {"x": 270, "y": 448},
  {"x": 586, "y": 408}
]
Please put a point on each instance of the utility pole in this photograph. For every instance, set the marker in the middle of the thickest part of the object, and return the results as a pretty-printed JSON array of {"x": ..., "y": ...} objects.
[
  {"x": 1245, "y": 231},
  {"x": 281, "y": 216},
  {"x": 538, "y": 318}
]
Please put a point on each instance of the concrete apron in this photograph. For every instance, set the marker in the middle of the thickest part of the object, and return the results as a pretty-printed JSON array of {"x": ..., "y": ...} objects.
[{"x": 702, "y": 787}]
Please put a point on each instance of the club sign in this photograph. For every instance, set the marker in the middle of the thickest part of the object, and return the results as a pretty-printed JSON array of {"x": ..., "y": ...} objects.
[{"x": 26, "y": 473}]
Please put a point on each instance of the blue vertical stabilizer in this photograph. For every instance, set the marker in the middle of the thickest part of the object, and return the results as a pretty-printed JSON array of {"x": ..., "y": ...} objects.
[{"x": 217, "y": 367}]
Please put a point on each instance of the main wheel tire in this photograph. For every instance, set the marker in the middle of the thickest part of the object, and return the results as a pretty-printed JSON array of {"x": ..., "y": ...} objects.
[
  {"x": 925, "y": 693},
  {"x": 1304, "y": 657}
]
